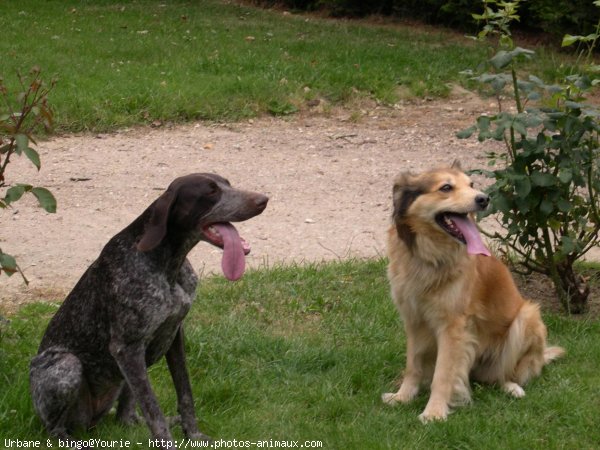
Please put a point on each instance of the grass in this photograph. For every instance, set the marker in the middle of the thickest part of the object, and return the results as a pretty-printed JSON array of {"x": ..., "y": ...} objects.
[
  {"x": 124, "y": 63},
  {"x": 304, "y": 353}
]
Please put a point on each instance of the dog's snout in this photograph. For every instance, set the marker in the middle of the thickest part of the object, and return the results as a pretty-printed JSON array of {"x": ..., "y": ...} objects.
[
  {"x": 482, "y": 201},
  {"x": 261, "y": 201}
]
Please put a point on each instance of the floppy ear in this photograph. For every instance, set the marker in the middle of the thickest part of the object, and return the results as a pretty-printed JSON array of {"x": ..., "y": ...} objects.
[
  {"x": 156, "y": 227},
  {"x": 405, "y": 193},
  {"x": 456, "y": 165}
]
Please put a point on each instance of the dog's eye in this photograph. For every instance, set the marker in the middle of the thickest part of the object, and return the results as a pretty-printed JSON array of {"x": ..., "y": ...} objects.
[
  {"x": 446, "y": 188},
  {"x": 472, "y": 184},
  {"x": 212, "y": 188}
]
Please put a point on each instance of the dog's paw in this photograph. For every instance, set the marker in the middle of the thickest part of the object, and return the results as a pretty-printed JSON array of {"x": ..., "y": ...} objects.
[
  {"x": 129, "y": 419},
  {"x": 199, "y": 436},
  {"x": 434, "y": 414},
  {"x": 513, "y": 389},
  {"x": 405, "y": 395},
  {"x": 389, "y": 398}
]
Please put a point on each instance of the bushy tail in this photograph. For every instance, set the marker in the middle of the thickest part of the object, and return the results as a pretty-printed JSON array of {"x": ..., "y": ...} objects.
[{"x": 552, "y": 353}]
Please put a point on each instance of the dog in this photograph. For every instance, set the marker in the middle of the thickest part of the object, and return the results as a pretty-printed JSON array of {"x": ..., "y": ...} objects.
[
  {"x": 463, "y": 315},
  {"x": 127, "y": 310}
]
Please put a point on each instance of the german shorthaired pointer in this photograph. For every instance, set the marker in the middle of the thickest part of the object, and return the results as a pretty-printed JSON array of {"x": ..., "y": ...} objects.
[{"x": 127, "y": 311}]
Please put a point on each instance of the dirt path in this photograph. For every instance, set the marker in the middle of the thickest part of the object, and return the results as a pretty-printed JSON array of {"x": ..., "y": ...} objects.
[{"x": 329, "y": 180}]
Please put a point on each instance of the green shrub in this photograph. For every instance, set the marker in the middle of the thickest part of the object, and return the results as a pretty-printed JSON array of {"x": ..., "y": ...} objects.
[{"x": 546, "y": 191}]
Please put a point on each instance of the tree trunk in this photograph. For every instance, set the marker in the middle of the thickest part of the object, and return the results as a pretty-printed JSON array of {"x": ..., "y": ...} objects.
[{"x": 572, "y": 289}]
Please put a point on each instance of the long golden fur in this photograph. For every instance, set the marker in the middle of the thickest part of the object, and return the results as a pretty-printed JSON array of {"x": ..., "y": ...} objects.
[{"x": 463, "y": 314}]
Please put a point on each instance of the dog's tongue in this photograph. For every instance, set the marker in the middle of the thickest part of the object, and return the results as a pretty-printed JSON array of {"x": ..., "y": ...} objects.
[
  {"x": 234, "y": 261},
  {"x": 467, "y": 227}
]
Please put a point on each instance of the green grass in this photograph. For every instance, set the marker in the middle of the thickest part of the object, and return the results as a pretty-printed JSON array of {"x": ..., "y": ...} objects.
[
  {"x": 304, "y": 353},
  {"x": 121, "y": 63}
]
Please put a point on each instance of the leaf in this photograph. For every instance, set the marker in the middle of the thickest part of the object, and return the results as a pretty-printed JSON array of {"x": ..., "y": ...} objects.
[
  {"x": 543, "y": 179},
  {"x": 565, "y": 176},
  {"x": 573, "y": 105},
  {"x": 15, "y": 193},
  {"x": 523, "y": 205},
  {"x": 519, "y": 127},
  {"x": 45, "y": 199},
  {"x": 466, "y": 133},
  {"x": 22, "y": 142},
  {"x": 536, "y": 80},
  {"x": 520, "y": 51},
  {"x": 501, "y": 59},
  {"x": 33, "y": 156},
  {"x": 546, "y": 207},
  {"x": 532, "y": 120},
  {"x": 498, "y": 84},
  {"x": 554, "y": 224},
  {"x": 8, "y": 263},
  {"x": 523, "y": 187},
  {"x": 554, "y": 88},
  {"x": 501, "y": 204},
  {"x": 569, "y": 39},
  {"x": 567, "y": 244},
  {"x": 563, "y": 204}
]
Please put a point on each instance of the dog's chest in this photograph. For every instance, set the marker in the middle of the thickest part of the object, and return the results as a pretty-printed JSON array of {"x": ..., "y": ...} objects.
[
  {"x": 428, "y": 294},
  {"x": 171, "y": 314}
]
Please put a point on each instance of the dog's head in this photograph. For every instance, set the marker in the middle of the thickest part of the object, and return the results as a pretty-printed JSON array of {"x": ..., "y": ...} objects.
[
  {"x": 202, "y": 206},
  {"x": 438, "y": 203}
]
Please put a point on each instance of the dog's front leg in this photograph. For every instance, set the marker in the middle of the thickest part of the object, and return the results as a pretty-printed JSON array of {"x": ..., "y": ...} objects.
[
  {"x": 126, "y": 406},
  {"x": 451, "y": 371},
  {"x": 131, "y": 359},
  {"x": 416, "y": 347},
  {"x": 185, "y": 402}
]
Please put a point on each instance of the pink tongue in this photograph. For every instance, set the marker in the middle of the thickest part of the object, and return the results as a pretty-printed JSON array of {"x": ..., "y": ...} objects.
[
  {"x": 467, "y": 227},
  {"x": 234, "y": 261}
]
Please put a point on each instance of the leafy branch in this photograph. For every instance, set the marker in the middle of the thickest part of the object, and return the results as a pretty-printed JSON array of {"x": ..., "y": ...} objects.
[{"x": 20, "y": 117}]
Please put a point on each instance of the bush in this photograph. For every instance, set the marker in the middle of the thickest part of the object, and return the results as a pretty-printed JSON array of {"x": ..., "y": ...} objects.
[
  {"x": 546, "y": 191},
  {"x": 558, "y": 17}
]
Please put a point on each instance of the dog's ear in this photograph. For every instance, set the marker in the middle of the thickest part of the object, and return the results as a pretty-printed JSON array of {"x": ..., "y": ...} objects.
[
  {"x": 456, "y": 165},
  {"x": 406, "y": 191},
  {"x": 156, "y": 228}
]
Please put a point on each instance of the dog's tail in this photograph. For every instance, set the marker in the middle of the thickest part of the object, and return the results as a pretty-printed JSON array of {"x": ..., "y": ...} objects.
[{"x": 552, "y": 353}]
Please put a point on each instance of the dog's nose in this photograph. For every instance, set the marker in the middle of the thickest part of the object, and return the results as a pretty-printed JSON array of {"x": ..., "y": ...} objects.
[
  {"x": 482, "y": 201},
  {"x": 261, "y": 201}
]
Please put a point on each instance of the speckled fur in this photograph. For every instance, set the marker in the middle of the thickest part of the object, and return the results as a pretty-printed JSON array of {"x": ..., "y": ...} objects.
[{"x": 126, "y": 313}]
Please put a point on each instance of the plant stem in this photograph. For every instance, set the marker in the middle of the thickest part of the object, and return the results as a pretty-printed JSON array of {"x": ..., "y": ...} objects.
[{"x": 516, "y": 89}]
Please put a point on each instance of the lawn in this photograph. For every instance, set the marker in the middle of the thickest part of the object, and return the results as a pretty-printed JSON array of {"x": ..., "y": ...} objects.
[
  {"x": 123, "y": 63},
  {"x": 304, "y": 353}
]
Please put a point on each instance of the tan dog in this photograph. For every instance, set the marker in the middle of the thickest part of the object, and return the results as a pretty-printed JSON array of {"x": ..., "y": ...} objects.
[{"x": 462, "y": 312}]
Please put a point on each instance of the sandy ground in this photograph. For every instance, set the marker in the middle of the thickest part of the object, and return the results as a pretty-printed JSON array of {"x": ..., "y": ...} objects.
[{"x": 328, "y": 177}]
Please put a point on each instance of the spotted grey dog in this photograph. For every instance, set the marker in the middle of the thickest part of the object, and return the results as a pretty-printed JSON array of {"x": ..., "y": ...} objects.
[{"x": 127, "y": 309}]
